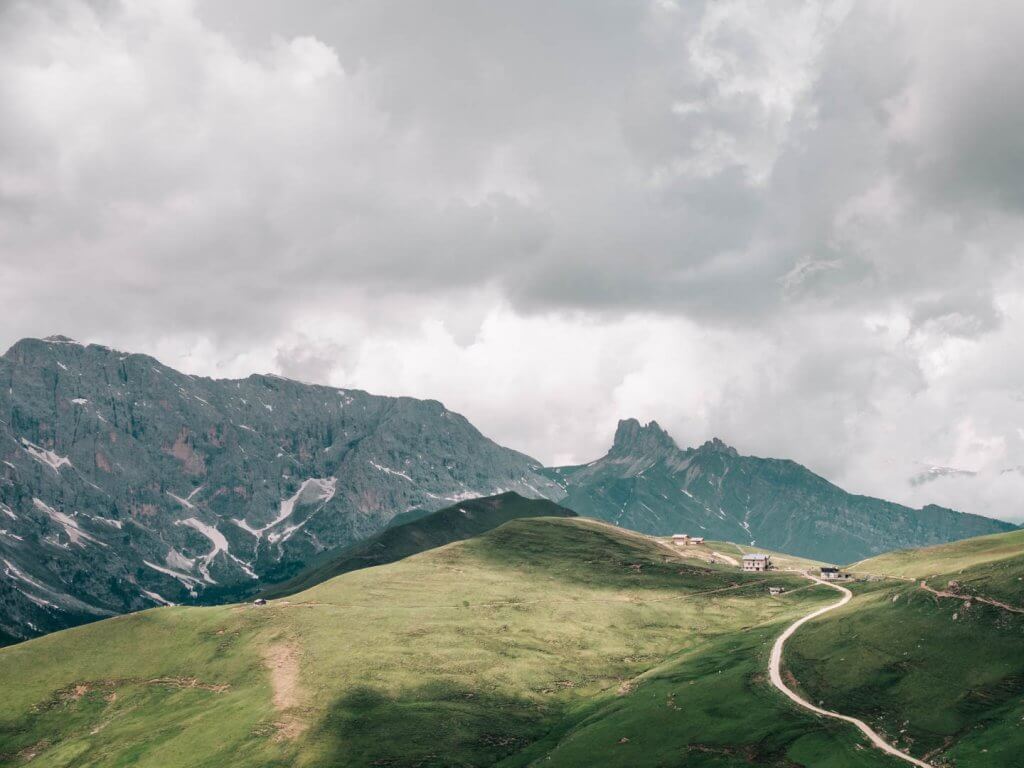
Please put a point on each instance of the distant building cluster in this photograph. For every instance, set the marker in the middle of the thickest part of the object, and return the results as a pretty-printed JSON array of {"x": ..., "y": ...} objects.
[
  {"x": 829, "y": 573},
  {"x": 685, "y": 540}
]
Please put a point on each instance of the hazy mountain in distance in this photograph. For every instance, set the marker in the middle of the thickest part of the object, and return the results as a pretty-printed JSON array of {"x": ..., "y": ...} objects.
[{"x": 647, "y": 483}]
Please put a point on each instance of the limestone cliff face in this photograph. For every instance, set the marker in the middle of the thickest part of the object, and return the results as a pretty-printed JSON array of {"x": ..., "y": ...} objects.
[{"x": 124, "y": 483}]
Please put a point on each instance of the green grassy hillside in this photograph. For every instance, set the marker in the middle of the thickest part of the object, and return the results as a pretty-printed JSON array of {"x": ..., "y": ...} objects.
[
  {"x": 424, "y": 531},
  {"x": 945, "y": 558},
  {"x": 555, "y": 642},
  {"x": 941, "y": 674}
]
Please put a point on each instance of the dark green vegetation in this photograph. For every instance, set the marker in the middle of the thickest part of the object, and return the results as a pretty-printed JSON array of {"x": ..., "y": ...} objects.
[
  {"x": 943, "y": 675},
  {"x": 124, "y": 482},
  {"x": 688, "y": 712},
  {"x": 455, "y": 523},
  {"x": 552, "y": 641},
  {"x": 647, "y": 483}
]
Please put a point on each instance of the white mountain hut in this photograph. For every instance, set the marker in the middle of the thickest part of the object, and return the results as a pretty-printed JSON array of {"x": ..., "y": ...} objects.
[{"x": 757, "y": 562}]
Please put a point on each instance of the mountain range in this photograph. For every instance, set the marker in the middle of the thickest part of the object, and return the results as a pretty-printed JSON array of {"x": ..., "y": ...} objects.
[
  {"x": 125, "y": 484},
  {"x": 648, "y": 483}
]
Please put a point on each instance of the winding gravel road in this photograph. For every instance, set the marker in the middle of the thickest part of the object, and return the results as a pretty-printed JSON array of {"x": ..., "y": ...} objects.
[{"x": 776, "y": 677}]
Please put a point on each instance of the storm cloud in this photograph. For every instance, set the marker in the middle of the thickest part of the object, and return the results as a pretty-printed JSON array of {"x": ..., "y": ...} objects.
[{"x": 797, "y": 227}]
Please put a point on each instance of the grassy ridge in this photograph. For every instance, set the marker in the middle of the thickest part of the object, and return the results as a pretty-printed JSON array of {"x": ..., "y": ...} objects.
[
  {"x": 424, "y": 531},
  {"x": 943, "y": 676},
  {"x": 546, "y": 638},
  {"x": 946, "y": 558}
]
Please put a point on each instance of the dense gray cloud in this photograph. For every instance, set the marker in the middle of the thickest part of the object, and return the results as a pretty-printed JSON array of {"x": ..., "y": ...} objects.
[{"x": 796, "y": 226}]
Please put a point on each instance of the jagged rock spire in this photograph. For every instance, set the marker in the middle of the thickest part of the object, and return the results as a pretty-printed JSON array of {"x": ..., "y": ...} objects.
[
  {"x": 714, "y": 445},
  {"x": 631, "y": 437}
]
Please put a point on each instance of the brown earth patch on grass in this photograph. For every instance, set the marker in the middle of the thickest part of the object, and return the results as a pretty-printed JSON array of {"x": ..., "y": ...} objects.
[{"x": 282, "y": 661}]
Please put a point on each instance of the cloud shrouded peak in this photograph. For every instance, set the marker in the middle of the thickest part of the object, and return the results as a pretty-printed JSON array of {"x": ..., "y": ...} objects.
[{"x": 798, "y": 227}]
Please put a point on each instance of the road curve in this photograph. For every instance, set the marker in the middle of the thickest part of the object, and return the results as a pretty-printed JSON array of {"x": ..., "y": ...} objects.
[{"x": 775, "y": 674}]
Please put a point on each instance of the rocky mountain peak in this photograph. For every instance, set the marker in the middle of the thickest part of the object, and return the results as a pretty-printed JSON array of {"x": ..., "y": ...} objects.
[
  {"x": 32, "y": 348},
  {"x": 124, "y": 483},
  {"x": 634, "y": 438},
  {"x": 714, "y": 445}
]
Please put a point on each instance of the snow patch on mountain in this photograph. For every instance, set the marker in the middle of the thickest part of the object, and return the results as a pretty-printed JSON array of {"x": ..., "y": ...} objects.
[
  {"x": 931, "y": 473},
  {"x": 323, "y": 491},
  {"x": 388, "y": 470},
  {"x": 216, "y": 538},
  {"x": 156, "y": 598},
  {"x": 184, "y": 502},
  {"x": 58, "y": 600},
  {"x": 175, "y": 559},
  {"x": 13, "y": 572},
  {"x": 464, "y": 495},
  {"x": 68, "y": 523},
  {"x": 43, "y": 456},
  {"x": 312, "y": 491},
  {"x": 40, "y": 601},
  {"x": 184, "y": 578}
]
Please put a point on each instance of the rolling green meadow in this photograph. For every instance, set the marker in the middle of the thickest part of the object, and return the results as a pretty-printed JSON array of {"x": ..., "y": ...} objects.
[
  {"x": 424, "y": 531},
  {"x": 946, "y": 558},
  {"x": 942, "y": 677},
  {"x": 544, "y": 642}
]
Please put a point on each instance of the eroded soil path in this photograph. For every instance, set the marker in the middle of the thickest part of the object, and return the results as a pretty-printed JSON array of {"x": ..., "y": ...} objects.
[
  {"x": 282, "y": 661},
  {"x": 775, "y": 674},
  {"x": 727, "y": 558},
  {"x": 971, "y": 598}
]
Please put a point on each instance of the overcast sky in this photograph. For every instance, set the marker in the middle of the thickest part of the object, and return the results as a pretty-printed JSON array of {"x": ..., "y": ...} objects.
[{"x": 796, "y": 226}]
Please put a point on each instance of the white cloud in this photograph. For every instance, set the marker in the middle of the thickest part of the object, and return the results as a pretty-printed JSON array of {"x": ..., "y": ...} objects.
[{"x": 796, "y": 227}]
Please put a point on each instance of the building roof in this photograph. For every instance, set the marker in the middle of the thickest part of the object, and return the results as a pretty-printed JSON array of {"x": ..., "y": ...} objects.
[
  {"x": 755, "y": 557},
  {"x": 829, "y": 569}
]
